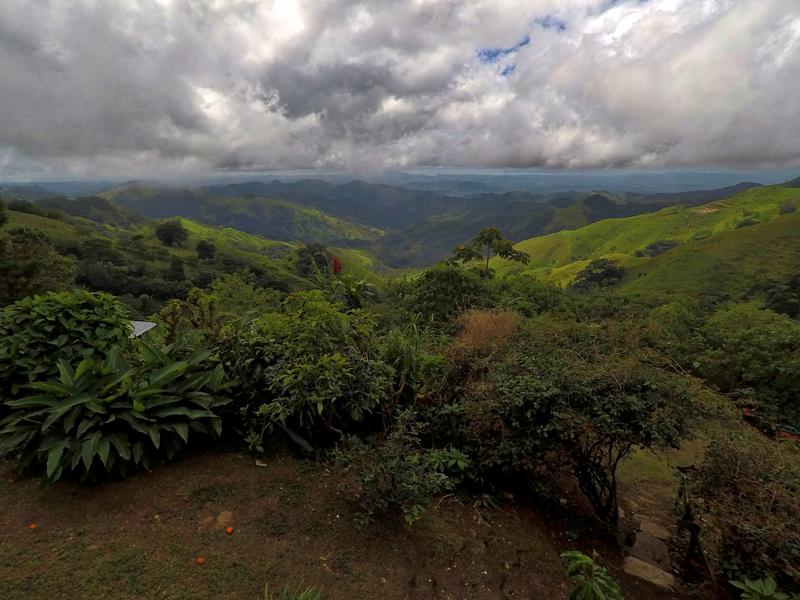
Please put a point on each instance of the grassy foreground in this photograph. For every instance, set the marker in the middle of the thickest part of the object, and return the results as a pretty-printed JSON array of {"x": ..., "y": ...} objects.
[{"x": 139, "y": 538}]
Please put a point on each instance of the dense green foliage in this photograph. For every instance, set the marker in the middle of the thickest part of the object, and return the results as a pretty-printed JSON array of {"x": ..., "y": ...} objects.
[
  {"x": 587, "y": 345},
  {"x": 172, "y": 233},
  {"x": 760, "y": 589},
  {"x": 592, "y": 581},
  {"x": 311, "y": 367},
  {"x": 489, "y": 242},
  {"x": 599, "y": 273},
  {"x": 113, "y": 416},
  {"x": 30, "y": 265},
  {"x": 396, "y": 475},
  {"x": 754, "y": 354},
  {"x": 37, "y": 332},
  {"x": 582, "y": 392},
  {"x": 443, "y": 292},
  {"x": 205, "y": 250},
  {"x": 748, "y": 489}
]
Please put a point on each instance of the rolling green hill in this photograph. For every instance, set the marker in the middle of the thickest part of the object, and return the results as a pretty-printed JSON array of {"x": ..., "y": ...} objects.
[
  {"x": 268, "y": 217},
  {"x": 130, "y": 259},
  {"x": 715, "y": 244}
]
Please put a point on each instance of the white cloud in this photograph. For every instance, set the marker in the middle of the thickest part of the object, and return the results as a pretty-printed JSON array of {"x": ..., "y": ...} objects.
[{"x": 153, "y": 86}]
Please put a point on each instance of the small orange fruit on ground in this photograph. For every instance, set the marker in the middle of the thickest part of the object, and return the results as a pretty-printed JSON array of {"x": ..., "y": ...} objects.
[
  {"x": 32, "y": 526},
  {"x": 229, "y": 530},
  {"x": 200, "y": 560}
]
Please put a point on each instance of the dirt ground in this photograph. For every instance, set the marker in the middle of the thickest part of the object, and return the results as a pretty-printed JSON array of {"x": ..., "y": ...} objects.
[{"x": 293, "y": 524}]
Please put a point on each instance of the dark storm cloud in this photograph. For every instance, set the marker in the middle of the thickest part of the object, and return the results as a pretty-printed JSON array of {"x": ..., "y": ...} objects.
[{"x": 112, "y": 88}]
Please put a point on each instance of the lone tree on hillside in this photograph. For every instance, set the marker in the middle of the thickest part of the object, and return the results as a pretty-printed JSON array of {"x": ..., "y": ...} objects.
[
  {"x": 489, "y": 242},
  {"x": 172, "y": 233},
  {"x": 598, "y": 273},
  {"x": 205, "y": 250}
]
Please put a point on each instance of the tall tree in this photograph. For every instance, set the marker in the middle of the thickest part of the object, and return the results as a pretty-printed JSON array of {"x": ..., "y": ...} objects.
[
  {"x": 488, "y": 243},
  {"x": 172, "y": 233},
  {"x": 205, "y": 250}
]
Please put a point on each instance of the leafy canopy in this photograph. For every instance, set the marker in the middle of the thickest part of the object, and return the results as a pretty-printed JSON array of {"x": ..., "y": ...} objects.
[
  {"x": 489, "y": 242},
  {"x": 38, "y": 331}
]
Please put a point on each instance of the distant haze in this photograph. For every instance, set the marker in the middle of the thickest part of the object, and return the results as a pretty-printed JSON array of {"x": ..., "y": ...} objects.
[{"x": 169, "y": 88}]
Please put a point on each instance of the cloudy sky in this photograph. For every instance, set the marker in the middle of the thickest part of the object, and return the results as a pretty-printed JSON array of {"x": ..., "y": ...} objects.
[{"x": 137, "y": 87}]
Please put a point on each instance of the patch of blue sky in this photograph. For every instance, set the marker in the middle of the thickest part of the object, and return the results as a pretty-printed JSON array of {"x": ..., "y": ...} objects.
[
  {"x": 508, "y": 70},
  {"x": 551, "y": 22},
  {"x": 492, "y": 55}
]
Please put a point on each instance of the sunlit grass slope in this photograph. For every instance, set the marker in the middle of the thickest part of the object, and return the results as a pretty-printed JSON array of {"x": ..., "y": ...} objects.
[{"x": 716, "y": 241}]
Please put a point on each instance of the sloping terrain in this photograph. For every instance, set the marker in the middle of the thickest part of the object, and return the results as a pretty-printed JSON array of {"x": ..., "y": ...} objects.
[
  {"x": 293, "y": 525},
  {"x": 267, "y": 217},
  {"x": 756, "y": 226}
]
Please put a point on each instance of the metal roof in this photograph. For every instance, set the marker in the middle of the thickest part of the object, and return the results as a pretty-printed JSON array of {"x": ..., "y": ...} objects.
[{"x": 140, "y": 327}]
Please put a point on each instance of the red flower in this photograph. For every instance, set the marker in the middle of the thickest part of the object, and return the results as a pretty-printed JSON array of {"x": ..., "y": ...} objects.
[{"x": 336, "y": 265}]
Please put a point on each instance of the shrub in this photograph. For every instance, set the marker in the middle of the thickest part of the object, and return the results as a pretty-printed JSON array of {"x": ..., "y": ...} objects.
[
  {"x": 36, "y": 332},
  {"x": 30, "y": 265},
  {"x": 445, "y": 291},
  {"x": 599, "y": 273},
  {"x": 112, "y": 416},
  {"x": 398, "y": 474},
  {"x": 748, "y": 489},
  {"x": 205, "y": 250},
  {"x": 574, "y": 396},
  {"x": 746, "y": 223},
  {"x": 416, "y": 370},
  {"x": 312, "y": 367},
  {"x": 784, "y": 297},
  {"x": 755, "y": 355},
  {"x": 592, "y": 582},
  {"x": 3, "y": 214},
  {"x": 486, "y": 330},
  {"x": 787, "y": 208},
  {"x": 760, "y": 589},
  {"x": 657, "y": 248},
  {"x": 529, "y": 297}
]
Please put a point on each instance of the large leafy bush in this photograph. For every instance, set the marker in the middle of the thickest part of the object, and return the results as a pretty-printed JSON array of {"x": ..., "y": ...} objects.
[
  {"x": 573, "y": 396},
  {"x": 29, "y": 264},
  {"x": 755, "y": 354},
  {"x": 397, "y": 475},
  {"x": 748, "y": 491},
  {"x": 313, "y": 368},
  {"x": 37, "y": 332},
  {"x": 445, "y": 291},
  {"x": 112, "y": 416}
]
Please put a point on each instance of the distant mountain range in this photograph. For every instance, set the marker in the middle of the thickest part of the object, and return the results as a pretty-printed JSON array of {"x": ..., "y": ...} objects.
[{"x": 401, "y": 227}]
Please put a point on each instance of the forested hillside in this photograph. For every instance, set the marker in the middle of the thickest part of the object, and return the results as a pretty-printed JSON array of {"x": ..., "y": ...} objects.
[{"x": 547, "y": 389}]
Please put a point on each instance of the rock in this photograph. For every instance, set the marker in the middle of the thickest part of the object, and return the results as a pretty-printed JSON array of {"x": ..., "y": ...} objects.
[
  {"x": 224, "y": 519},
  {"x": 647, "y": 572},
  {"x": 654, "y": 529},
  {"x": 651, "y": 550}
]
